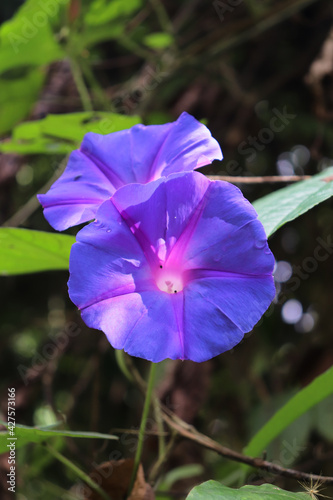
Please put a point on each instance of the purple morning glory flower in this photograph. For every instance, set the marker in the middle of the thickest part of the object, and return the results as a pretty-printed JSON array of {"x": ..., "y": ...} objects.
[
  {"x": 177, "y": 268},
  {"x": 105, "y": 163}
]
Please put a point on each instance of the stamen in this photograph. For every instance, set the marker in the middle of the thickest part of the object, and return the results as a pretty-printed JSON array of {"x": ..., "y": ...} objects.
[{"x": 169, "y": 280}]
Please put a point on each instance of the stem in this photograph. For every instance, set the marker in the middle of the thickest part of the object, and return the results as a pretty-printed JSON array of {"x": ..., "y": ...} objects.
[
  {"x": 160, "y": 427},
  {"x": 162, "y": 15},
  {"x": 162, "y": 458},
  {"x": 80, "y": 84},
  {"x": 82, "y": 475},
  {"x": 133, "y": 47},
  {"x": 101, "y": 97},
  {"x": 121, "y": 361},
  {"x": 142, "y": 429}
]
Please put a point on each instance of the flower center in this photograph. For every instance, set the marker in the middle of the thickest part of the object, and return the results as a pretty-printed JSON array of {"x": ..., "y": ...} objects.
[{"x": 169, "y": 280}]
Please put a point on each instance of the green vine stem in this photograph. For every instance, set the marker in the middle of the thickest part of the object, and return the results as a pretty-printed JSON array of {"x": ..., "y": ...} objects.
[
  {"x": 80, "y": 84},
  {"x": 142, "y": 429},
  {"x": 160, "y": 427}
]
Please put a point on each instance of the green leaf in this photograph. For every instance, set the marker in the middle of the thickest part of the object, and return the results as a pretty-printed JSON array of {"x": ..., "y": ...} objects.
[
  {"x": 25, "y": 435},
  {"x": 26, "y": 42},
  {"x": 17, "y": 97},
  {"x": 179, "y": 473},
  {"x": 215, "y": 490},
  {"x": 62, "y": 133},
  {"x": 38, "y": 145},
  {"x": 158, "y": 41},
  {"x": 323, "y": 418},
  {"x": 72, "y": 127},
  {"x": 319, "y": 389},
  {"x": 24, "y": 251},
  {"x": 284, "y": 205}
]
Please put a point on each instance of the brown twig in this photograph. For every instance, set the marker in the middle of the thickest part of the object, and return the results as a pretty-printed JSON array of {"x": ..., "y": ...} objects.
[
  {"x": 191, "y": 433},
  {"x": 259, "y": 180}
]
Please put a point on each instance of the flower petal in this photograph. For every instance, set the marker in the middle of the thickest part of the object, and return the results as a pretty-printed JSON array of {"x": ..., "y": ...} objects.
[
  {"x": 235, "y": 240},
  {"x": 162, "y": 210},
  {"x": 218, "y": 311},
  {"x": 105, "y": 163},
  {"x": 106, "y": 261},
  {"x": 133, "y": 322},
  {"x": 75, "y": 197}
]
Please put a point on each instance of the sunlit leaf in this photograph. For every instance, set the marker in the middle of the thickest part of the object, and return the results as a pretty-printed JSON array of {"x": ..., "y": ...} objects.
[
  {"x": 27, "y": 40},
  {"x": 60, "y": 134},
  {"x": 24, "y": 251},
  {"x": 217, "y": 491},
  {"x": 74, "y": 126},
  {"x": 284, "y": 205}
]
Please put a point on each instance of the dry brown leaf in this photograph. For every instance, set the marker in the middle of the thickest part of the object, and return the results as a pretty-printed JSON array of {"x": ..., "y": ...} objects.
[{"x": 114, "y": 478}]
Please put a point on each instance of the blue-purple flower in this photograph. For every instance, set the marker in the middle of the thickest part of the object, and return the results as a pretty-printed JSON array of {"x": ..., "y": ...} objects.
[
  {"x": 141, "y": 154},
  {"x": 176, "y": 268}
]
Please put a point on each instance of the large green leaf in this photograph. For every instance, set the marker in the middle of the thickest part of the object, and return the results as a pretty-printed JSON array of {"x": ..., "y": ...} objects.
[
  {"x": 290, "y": 202},
  {"x": 62, "y": 133},
  {"x": 24, "y": 251},
  {"x": 22, "y": 435},
  {"x": 216, "y": 491},
  {"x": 27, "y": 39},
  {"x": 319, "y": 389},
  {"x": 27, "y": 43},
  {"x": 17, "y": 97}
]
